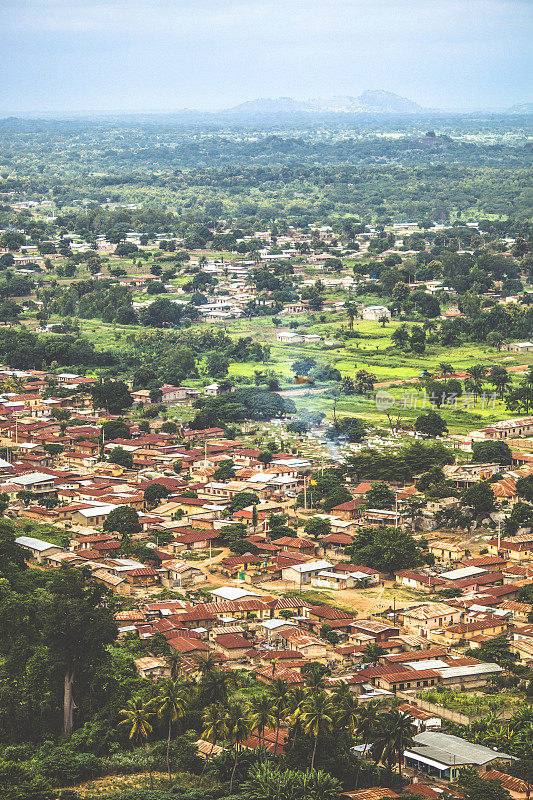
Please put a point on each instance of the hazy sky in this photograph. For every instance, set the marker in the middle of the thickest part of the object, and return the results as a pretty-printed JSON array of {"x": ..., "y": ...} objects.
[{"x": 72, "y": 55}]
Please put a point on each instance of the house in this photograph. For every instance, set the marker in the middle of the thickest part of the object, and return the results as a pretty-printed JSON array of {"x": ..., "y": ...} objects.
[
  {"x": 36, "y": 482},
  {"x": 333, "y": 580},
  {"x": 309, "y": 646},
  {"x": 421, "y": 719},
  {"x": 518, "y": 789},
  {"x": 443, "y": 755},
  {"x": 374, "y": 793},
  {"x": 468, "y": 676},
  {"x": 142, "y": 577},
  {"x": 521, "y": 347},
  {"x": 509, "y": 428},
  {"x": 36, "y": 548},
  {"x": 152, "y": 668},
  {"x": 177, "y": 394},
  {"x": 267, "y": 675},
  {"x": 408, "y": 679},
  {"x": 301, "y": 574},
  {"x": 232, "y": 645},
  {"x": 289, "y": 337},
  {"x": 465, "y": 631},
  {"x": 512, "y": 548},
  {"x": 320, "y": 615},
  {"x": 374, "y": 628},
  {"x": 293, "y": 544},
  {"x": 447, "y": 551},
  {"x": 430, "y": 617},
  {"x": 180, "y": 574},
  {"x": 192, "y": 540},
  {"x": 375, "y": 313},
  {"x": 349, "y": 510}
]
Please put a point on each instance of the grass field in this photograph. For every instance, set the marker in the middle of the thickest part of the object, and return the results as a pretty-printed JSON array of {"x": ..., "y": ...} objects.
[{"x": 370, "y": 349}]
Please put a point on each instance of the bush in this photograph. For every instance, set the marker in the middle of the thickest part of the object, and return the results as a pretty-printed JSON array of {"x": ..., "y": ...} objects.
[
  {"x": 126, "y": 762},
  {"x": 62, "y": 766}
]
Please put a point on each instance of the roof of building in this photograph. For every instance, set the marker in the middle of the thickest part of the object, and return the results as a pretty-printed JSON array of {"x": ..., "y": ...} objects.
[
  {"x": 34, "y": 544},
  {"x": 232, "y": 641},
  {"x": 452, "y": 750}
]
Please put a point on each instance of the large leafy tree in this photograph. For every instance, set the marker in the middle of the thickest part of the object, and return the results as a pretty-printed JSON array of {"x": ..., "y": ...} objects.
[
  {"x": 386, "y": 549},
  {"x": 76, "y": 629},
  {"x": 124, "y": 520},
  {"x": 113, "y": 396}
]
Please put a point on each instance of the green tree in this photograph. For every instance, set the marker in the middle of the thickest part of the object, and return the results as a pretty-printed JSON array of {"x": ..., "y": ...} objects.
[
  {"x": 386, "y": 549},
  {"x": 225, "y": 470},
  {"x": 154, "y": 493},
  {"x": 115, "y": 429},
  {"x": 121, "y": 457},
  {"x": 474, "y": 787},
  {"x": 500, "y": 379},
  {"x": 524, "y": 488},
  {"x": 373, "y": 652},
  {"x": 351, "y": 312},
  {"x": 242, "y": 500},
  {"x": 124, "y": 520},
  {"x": 217, "y": 365},
  {"x": 364, "y": 382},
  {"x": 76, "y": 629},
  {"x": 214, "y": 728},
  {"x": 431, "y": 424},
  {"x": 172, "y": 702},
  {"x": 480, "y": 497},
  {"x": 317, "y": 527},
  {"x": 261, "y": 717},
  {"x": 317, "y": 715},
  {"x": 380, "y": 495},
  {"x": 239, "y": 728},
  {"x": 138, "y": 716},
  {"x": 491, "y": 452},
  {"x": 278, "y": 692},
  {"x": 476, "y": 378},
  {"x": 113, "y": 396}
]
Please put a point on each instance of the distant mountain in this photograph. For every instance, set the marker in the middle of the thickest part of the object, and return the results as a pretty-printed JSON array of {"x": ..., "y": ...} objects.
[
  {"x": 370, "y": 101},
  {"x": 521, "y": 108}
]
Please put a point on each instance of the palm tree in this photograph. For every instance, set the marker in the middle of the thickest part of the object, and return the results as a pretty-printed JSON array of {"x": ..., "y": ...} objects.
[
  {"x": 238, "y": 726},
  {"x": 403, "y": 731},
  {"x": 261, "y": 716},
  {"x": 279, "y": 695},
  {"x": 347, "y": 713},
  {"x": 351, "y": 311},
  {"x": 213, "y": 687},
  {"x": 206, "y": 663},
  {"x": 317, "y": 714},
  {"x": 138, "y": 715},
  {"x": 445, "y": 369},
  {"x": 174, "y": 660},
  {"x": 213, "y": 728},
  {"x": 373, "y": 652},
  {"x": 474, "y": 383},
  {"x": 366, "y": 725},
  {"x": 172, "y": 704},
  {"x": 314, "y": 675},
  {"x": 500, "y": 379}
]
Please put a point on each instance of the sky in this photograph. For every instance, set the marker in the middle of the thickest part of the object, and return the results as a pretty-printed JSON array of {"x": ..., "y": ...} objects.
[{"x": 71, "y": 56}]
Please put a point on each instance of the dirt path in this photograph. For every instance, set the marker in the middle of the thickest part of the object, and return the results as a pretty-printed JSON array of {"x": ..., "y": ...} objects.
[{"x": 303, "y": 391}]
